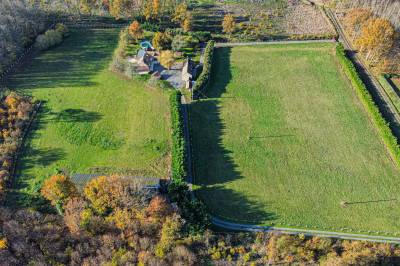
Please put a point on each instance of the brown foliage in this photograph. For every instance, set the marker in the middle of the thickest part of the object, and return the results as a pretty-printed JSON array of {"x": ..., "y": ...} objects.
[{"x": 14, "y": 114}]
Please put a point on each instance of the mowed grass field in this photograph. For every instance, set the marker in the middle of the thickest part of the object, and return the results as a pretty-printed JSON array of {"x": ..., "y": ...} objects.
[
  {"x": 282, "y": 139},
  {"x": 91, "y": 120}
]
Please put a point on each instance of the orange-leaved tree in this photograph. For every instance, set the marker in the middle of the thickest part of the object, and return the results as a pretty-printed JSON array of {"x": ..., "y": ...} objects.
[
  {"x": 135, "y": 31},
  {"x": 355, "y": 19},
  {"x": 58, "y": 189},
  {"x": 376, "y": 38}
]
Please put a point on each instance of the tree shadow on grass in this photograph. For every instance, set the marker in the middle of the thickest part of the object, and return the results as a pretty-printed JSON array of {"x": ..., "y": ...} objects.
[
  {"x": 214, "y": 164},
  {"x": 77, "y": 115},
  {"x": 26, "y": 185},
  {"x": 71, "y": 64}
]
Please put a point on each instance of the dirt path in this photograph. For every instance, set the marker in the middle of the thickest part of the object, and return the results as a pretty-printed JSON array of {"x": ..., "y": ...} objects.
[{"x": 232, "y": 44}]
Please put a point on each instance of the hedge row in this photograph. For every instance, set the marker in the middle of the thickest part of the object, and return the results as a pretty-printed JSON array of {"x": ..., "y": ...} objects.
[
  {"x": 178, "y": 141},
  {"x": 51, "y": 37},
  {"x": 365, "y": 97},
  {"x": 203, "y": 79}
]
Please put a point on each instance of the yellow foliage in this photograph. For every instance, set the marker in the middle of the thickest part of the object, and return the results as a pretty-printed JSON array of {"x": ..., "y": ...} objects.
[
  {"x": 121, "y": 218},
  {"x": 156, "y": 7},
  {"x": 167, "y": 59},
  {"x": 180, "y": 13},
  {"x": 376, "y": 38},
  {"x": 228, "y": 24},
  {"x": 3, "y": 243},
  {"x": 104, "y": 192},
  {"x": 187, "y": 23},
  {"x": 58, "y": 189}
]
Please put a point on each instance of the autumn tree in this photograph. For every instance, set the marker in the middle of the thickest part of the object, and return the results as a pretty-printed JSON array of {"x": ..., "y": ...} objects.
[
  {"x": 167, "y": 58},
  {"x": 228, "y": 24},
  {"x": 161, "y": 41},
  {"x": 169, "y": 233},
  {"x": 180, "y": 13},
  {"x": 72, "y": 214},
  {"x": 155, "y": 9},
  {"x": 135, "y": 31},
  {"x": 115, "y": 8},
  {"x": 102, "y": 191},
  {"x": 159, "y": 207},
  {"x": 58, "y": 189},
  {"x": 148, "y": 10},
  {"x": 187, "y": 22},
  {"x": 376, "y": 38},
  {"x": 355, "y": 19}
]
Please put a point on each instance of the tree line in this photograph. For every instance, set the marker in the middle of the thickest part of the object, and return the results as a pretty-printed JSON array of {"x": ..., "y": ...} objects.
[
  {"x": 376, "y": 39},
  {"x": 113, "y": 220}
]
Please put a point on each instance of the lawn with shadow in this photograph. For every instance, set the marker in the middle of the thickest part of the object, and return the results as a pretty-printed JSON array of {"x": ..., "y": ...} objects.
[
  {"x": 282, "y": 139},
  {"x": 90, "y": 118}
]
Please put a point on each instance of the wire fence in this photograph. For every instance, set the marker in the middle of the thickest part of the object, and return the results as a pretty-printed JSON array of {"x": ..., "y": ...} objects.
[{"x": 27, "y": 52}]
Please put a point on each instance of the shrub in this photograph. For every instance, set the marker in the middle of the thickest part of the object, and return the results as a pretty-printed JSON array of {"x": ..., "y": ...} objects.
[
  {"x": 162, "y": 41},
  {"x": 179, "y": 42},
  {"x": 178, "y": 142},
  {"x": 202, "y": 82},
  {"x": 167, "y": 59},
  {"x": 119, "y": 63},
  {"x": 47, "y": 40},
  {"x": 202, "y": 36},
  {"x": 365, "y": 97},
  {"x": 58, "y": 189},
  {"x": 192, "y": 210},
  {"x": 61, "y": 28}
]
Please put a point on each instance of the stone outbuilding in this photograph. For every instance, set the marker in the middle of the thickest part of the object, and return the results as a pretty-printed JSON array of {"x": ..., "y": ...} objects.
[{"x": 188, "y": 73}]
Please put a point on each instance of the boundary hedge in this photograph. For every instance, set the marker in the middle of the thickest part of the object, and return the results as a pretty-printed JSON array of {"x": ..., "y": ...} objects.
[
  {"x": 383, "y": 127},
  {"x": 202, "y": 81},
  {"x": 178, "y": 141},
  {"x": 192, "y": 210}
]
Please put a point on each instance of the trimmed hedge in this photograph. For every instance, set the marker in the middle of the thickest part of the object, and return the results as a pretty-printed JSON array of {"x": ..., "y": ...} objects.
[
  {"x": 388, "y": 138},
  {"x": 178, "y": 141},
  {"x": 204, "y": 78}
]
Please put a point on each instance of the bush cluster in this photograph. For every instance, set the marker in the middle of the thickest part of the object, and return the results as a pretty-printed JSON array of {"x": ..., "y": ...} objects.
[
  {"x": 388, "y": 138},
  {"x": 203, "y": 79},
  {"x": 119, "y": 63},
  {"x": 178, "y": 142},
  {"x": 51, "y": 38},
  {"x": 15, "y": 111}
]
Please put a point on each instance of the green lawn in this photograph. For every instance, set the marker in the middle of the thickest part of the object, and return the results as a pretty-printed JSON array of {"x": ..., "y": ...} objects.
[
  {"x": 283, "y": 140},
  {"x": 92, "y": 121}
]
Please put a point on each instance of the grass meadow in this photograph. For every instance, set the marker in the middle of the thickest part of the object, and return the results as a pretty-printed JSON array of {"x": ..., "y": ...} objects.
[
  {"x": 282, "y": 139},
  {"x": 91, "y": 120}
]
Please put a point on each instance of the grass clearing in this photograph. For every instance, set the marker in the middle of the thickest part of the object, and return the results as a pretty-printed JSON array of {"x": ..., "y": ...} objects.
[
  {"x": 284, "y": 140},
  {"x": 92, "y": 120}
]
